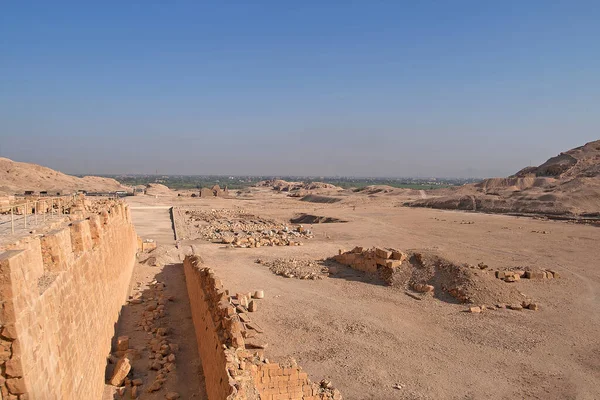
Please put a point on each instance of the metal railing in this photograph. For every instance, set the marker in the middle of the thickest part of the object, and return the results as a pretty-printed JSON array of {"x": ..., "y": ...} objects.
[{"x": 33, "y": 212}]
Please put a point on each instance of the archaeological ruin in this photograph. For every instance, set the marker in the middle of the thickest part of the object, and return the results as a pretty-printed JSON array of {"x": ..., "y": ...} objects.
[{"x": 62, "y": 293}]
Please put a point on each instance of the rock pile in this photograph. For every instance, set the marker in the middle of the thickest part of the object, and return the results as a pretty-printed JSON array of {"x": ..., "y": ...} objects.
[
  {"x": 515, "y": 275},
  {"x": 297, "y": 268},
  {"x": 159, "y": 349},
  {"x": 243, "y": 230},
  {"x": 426, "y": 274},
  {"x": 383, "y": 261}
]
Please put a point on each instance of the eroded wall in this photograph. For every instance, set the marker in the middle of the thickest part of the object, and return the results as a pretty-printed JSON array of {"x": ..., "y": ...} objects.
[
  {"x": 60, "y": 296},
  {"x": 231, "y": 371}
]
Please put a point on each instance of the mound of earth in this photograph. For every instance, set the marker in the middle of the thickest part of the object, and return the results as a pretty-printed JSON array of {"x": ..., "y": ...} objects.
[
  {"x": 296, "y": 268},
  {"x": 18, "y": 177},
  {"x": 426, "y": 272},
  {"x": 162, "y": 255},
  {"x": 314, "y": 219},
  {"x": 465, "y": 283},
  {"x": 567, "y": 185},
  {"x": 374, "y": 189},
  {"x": 314, "y": 198},
  {"x": 157, "y": 189}
]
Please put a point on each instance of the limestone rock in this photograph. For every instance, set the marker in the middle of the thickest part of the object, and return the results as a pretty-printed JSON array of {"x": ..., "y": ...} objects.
[{"x": 120, "y": 373}]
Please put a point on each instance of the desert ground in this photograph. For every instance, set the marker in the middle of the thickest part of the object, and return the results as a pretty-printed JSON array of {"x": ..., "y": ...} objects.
[{"x": 375, "y": 341}]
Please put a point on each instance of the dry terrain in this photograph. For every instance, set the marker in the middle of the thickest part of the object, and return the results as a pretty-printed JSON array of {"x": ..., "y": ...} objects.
[
  {"x": 565, "y": 186},
  {"x": 376, "y": 341},
  {"x": 18, "y": 177}
]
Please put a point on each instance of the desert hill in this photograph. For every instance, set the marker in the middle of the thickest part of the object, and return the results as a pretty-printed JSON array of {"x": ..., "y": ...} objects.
[
  {"x": 565, "y": 185},
  {"x": 17, "y": 177}
]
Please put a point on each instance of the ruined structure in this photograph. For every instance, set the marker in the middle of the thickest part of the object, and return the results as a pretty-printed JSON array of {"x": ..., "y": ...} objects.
[
  {"x": 231, "y": 370},
  {"x": 215, "y": 191},
  {"x": 61, "y": 294}
]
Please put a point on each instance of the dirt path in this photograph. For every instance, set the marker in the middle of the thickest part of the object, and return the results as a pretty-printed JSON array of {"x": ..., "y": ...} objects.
[{"x": 152, "y": 286}]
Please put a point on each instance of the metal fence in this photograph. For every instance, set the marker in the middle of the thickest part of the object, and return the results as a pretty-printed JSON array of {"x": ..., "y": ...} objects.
[{"x": 33, "y": 212}]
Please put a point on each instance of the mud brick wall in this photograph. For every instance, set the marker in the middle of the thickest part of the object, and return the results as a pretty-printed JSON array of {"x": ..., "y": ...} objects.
[
  {"x": 60, "y": 297},
  {"x": 231, "y": 371}
]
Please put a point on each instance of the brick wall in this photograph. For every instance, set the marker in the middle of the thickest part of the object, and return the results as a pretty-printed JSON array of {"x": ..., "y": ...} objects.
[
  {"x": 60, "y": 297},
  {"x": 231, "y": 370}
]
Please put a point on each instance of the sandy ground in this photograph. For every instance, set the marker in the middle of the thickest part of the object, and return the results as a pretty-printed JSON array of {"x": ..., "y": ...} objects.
[{"x": 368, "y": 338}]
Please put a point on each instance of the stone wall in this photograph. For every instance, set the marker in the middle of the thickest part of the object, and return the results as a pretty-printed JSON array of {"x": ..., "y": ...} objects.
[
  {"x": 232, "y": 371},
  {"x": 381, "y": 261},
  {"x": 60, "y": 295}
]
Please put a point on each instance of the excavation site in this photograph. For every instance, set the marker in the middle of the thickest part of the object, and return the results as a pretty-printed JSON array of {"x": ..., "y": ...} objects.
[{"x": 179, "y": 296}]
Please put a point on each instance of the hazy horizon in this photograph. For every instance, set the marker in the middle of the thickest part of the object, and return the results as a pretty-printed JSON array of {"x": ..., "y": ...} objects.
[{"x": 389, "y": 89}]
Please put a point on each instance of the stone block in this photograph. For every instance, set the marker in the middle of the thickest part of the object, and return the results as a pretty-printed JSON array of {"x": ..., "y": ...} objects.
[
  {"x": 123, "y": 343},
  {"x": 252, "y": 306},
  {"x": 393, "y": 263},
  {"x": 381, "y": 261},
  {"x": 382, "y": 253},
  {"x": 120, "y": 373},
  {"x": 534, "y": 275},
  {"x": 398, "y": 255},
  {"x": 16, "y": 385}
]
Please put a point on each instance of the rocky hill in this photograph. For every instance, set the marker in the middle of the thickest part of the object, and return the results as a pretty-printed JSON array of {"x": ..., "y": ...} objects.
[
  {"x": 17, "y": 177},
  {"x": 566, "y": 185},
  {"x": 285, "y": 186}
]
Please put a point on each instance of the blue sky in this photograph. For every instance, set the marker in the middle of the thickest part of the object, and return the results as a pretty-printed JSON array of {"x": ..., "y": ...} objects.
[{"x": 366, "y": 88}]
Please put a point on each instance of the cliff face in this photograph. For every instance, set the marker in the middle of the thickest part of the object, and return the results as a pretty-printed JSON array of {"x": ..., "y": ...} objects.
[{"x": 567, "y": 184}]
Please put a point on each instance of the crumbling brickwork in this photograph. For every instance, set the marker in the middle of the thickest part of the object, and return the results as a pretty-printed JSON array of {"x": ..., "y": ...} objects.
[
  {"x": 231, "y": 371},
  {"x": 383, "y": 262},
  {"x": 60, "y": 297}
]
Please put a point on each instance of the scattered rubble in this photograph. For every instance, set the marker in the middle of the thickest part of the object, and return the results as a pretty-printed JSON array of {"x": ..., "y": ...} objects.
[
  {"x": 513, "y": 275},
  {"x": 297, "y": 268},
  {"x": 242, "y": 230},
  {"x": 161, "y": 352}
]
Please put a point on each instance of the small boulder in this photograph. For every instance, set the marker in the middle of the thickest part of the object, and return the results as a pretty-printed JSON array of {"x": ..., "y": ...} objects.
[
  {"x": 120, "y": 373},
  {"x": 252, "y": 306}
]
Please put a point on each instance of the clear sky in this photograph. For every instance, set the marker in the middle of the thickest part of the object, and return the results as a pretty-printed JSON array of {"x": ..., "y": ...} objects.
[{"x": 364, "y": 88}]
